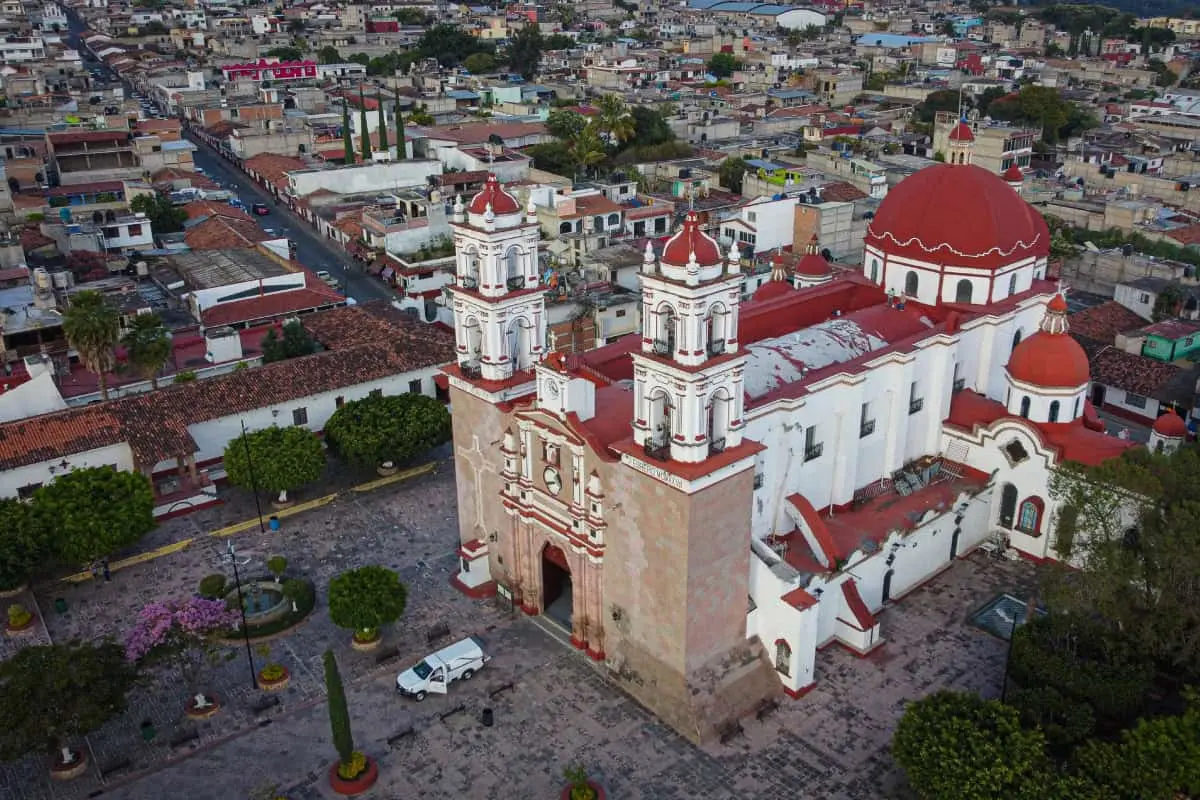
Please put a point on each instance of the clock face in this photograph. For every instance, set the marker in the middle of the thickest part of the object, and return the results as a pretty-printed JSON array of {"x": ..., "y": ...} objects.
[
  {"x": 552, "y": 479},
  {"x": 552, "y": 389}
]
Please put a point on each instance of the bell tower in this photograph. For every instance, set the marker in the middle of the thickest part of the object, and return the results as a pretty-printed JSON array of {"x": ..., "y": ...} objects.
[
  {"x": 688, "y": 376},
  {"x": 961, "y": 144},
  {"x": 499, "y": 307}
]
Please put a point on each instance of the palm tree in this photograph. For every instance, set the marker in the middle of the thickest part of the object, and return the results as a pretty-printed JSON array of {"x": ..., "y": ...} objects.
[
  {"x": 147, "y": 346},
  {"x": 588, "y": 149},
  {"x": 92, "y": 328},
  {"x": 614, "y": 118}
]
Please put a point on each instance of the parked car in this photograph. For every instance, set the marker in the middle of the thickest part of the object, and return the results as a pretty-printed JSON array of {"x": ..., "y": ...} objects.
[
  {"x": 435, "y": 673},
  {"x": 331, "y": 281},
  {"x": 261, "y": 209}
]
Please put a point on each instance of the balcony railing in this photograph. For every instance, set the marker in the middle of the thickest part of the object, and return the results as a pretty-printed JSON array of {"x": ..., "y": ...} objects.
[
  {"x": 716, "y": 347},
  {"x": 916, "y": 405},
  {"x": 866, "y": 428},
  {"x": 659, "y": 451},
  {"x": 471, "y": 369},
  {"x": 516, "y": 283},
  {"x": 663, "y": 347},
  {"x": 960, "y": 384},
  {"x": 813, "y": 452},
  {"x": 467, "y": 282},
  {"x": 716, "y": 446}
]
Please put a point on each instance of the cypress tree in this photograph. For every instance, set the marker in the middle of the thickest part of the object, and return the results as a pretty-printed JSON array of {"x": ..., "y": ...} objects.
[
  {"x": 347, "y": 139},
  {"x": 401, "y": 146},
  {"x": 383, "y": 142},
  {"x": 366, "y": 135},
  {"x": 339, "y": 714}
]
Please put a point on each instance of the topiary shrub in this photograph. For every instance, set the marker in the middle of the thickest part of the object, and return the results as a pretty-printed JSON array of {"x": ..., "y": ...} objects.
[{"x": 212, "y": 587}]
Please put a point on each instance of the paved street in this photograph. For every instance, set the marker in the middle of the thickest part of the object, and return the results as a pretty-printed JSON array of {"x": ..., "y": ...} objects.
[
  {"x": 560, "y": 709},
  {"x": 311, "y": 250}
]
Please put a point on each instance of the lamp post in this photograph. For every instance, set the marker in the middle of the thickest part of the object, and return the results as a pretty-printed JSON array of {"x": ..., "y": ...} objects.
[
  {"x": 253, "y": 483},
  {"x": 237, "y": 580}
]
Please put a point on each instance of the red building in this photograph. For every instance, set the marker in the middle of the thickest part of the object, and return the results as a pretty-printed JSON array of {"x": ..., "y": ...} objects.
[
  {"x": 383, "y": 25},
  {"x": 264, "y": 70}
]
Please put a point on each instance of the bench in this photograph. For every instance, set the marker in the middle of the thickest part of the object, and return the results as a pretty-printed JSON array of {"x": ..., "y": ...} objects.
[
  {"x": 396, "y": 738},
  {"x": 504, "y": 687},
  {"x": 458, "y": 709}
]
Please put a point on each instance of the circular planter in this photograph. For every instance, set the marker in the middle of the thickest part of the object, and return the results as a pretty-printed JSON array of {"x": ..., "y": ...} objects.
[
  {"x": 275, "y": 685},
  {"x": 21, "y": 630},
  {"x": 66, "y": 772},
  {"x": 278, "y": 506},
  {"x": 365, "y": 647},
  {"x": 357, "y": 786},
  {"x": 595, "y": 787},
  {"x": 17, "y": 590},
  {"x": 387, "y": 469},
  {"x": 202, "y": 713}
]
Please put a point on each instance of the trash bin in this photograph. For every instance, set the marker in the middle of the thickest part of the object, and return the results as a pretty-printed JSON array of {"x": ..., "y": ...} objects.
[
  {"x": 487, "y": 718},
  {"x": 60, "y": 605},
  {"x": 148, "y": 730},
  {"x": 273, "y": 523}
]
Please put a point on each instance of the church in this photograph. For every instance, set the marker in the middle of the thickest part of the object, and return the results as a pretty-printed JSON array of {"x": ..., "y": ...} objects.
[{"x": 708, "y": 504}]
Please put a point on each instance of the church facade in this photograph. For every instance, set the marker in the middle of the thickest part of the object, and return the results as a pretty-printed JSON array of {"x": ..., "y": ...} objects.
[{"x": 707, "y": 504}]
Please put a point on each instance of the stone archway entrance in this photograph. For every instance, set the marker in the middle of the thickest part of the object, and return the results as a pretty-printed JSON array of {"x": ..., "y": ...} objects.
[{"x": 557, "y": 595}]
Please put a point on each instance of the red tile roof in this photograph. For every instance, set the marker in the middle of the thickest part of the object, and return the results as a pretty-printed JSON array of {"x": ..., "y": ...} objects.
[
  {"x": 271, "y": 306},
  {"x": 224, "y": 233},
  {"x": 799, "y": 599},
  {"x": 841, "y": 192},
  {"x": 378, "y": 321},
  {"x": 75, "y": 137},
  {"x": 1133, "y": 373},
  {"x": 1104, "y": 322}
]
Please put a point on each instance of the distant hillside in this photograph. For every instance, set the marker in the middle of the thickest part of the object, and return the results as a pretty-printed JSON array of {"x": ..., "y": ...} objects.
[{"x": 1142, "y": 8}]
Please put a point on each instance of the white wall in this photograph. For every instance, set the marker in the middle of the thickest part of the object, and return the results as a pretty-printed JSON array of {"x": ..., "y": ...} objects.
[
  {"x": 207, "y": 298},
  {"x": 365, "y": 178},
  {"x": 118, "y": 455}
]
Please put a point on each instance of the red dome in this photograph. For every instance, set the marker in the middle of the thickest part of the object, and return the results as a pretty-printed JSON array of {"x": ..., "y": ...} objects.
[
  {"x": 691, "y": 239},
  {"x": 1170, "y": 425},
  {"x": 962, "y": 133},
  {"x": 501, "y": 201},
  {"x": 772, "y": 289},
  {"x": 813, "y": 265},
  {"x": 1013, "y": 174},
  {"x": 1050, "y": 360},
  {"x": 1057, "y": 304},
  {"x": 961, "y": 215}
]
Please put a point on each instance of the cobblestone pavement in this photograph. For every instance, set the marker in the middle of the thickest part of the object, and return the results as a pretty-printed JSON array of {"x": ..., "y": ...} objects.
[{"x": 561, "y": 709}]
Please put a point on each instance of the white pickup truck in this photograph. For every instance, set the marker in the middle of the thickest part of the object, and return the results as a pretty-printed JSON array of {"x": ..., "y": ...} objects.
[{"x": 436, "y": 672}]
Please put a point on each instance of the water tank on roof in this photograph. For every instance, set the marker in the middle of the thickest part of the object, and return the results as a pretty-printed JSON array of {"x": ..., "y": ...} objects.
[
  {"x": 777, "y": 196},
  {"x": 41, "y": 279}
]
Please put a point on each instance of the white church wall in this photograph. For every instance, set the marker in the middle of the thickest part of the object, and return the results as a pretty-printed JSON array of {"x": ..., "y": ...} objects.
[
  {"x": 1041, "y": 401},
  {"x": 774, "y": 619}
]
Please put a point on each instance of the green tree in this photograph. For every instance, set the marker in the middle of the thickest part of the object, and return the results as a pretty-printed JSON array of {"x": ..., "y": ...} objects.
[
  {"x": 555, "y": 157},
  {"x": 95, "y": 511},
  {"x": 339, "y": 712},
  {"x": 588, "y": 149},
  {"x": 614, "y": 119},
  {"x": 722, "y": 65},
  {"x": 650, "y": 126},
  {"x": 381, "y": 428},
  {"x": 565, "y": 124},
  {"x": 294, "y": 343},
  {"x": 383, "y": 135},
  {"x": 365, "y": 599},
  {"x": 275, "y": 459},
  {"x": 731, "y": 172},
  {"x": 1133, "y": 538},
  {"x": 558, "y": 41},
  {"x": 92, "y": 327},
  {"x": 362, "y": 123},
  {"x": 958, "y": 746},
  {"x": 285, "y": 53},
  {"x": 479, "y": 63},
  {"x": 401, "y": 143},
  {"x": 347, "y": 135},
  {"x": 329, "y": 55},
  {"x": 23, "y": 544},
  {"x": 525, "y": 52},
  {"x": 1045, "y": 107},
  {"x": 989, "y": 94},
  {"x": 449, "y": 44},
  {"x": 412, "y": 16},
  {"x": 54, "y": 693},
  {"x": 147, "y": 346},
  {"x": 941, "y": 100},
  {"x": 164, "y": 216}
]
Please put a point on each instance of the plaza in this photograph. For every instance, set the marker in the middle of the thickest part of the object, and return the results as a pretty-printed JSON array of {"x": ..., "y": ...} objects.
[{"x": 552, "y": 706}]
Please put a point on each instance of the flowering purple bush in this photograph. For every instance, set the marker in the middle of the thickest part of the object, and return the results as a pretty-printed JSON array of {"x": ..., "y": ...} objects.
[{"x": 176, "y": 626}]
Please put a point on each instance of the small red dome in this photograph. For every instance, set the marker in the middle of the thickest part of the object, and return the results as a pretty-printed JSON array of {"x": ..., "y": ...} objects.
[
  {"x": 691, "y": 239},
  {"x": 1170, "y": 425},
  {"x": 959, "y": 215},
  {"x": 1050, "y": 360},
  {"x": 813, "y": 265},
  {"x": 493, "y": 193},
  {"x": 772, "y": 289},
  {"x": 1013, "y": 174},
  {"x": 962, "y": 133},
  {"x": 1057, "y": 304}
]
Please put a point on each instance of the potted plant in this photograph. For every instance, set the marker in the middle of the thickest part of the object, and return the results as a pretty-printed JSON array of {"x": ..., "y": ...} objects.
[
  {"x": 273, "y": 677},
  {"x": 20, "y": 619},
  {"x": 579, "y": 785},
  {"x": 354, "y": 772},
  {"x": 365, "y": 599}
]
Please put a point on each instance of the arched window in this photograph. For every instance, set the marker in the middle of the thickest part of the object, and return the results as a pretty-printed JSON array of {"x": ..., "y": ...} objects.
[
  {"x": 874, "y": 271},
  {"x": 564, "y": 227},
  {"x": 1076, "y": 414},
  {"x": 1012, "y": 284},
  {"x": 614, "y": 219},
  {"x": 1025, "y": 406},
  {"x": 1008, "y": 505},
  {"x": 783, "y": 658},
  {"x": 962, "y": 292},
  {"x": 1016, "y": 338},
  {"x": 512, "y": 266},
  {"x": 1053, "y": 411},
  {"x": 910, "y": 283},
  {"x": 1030, "y": 518}
]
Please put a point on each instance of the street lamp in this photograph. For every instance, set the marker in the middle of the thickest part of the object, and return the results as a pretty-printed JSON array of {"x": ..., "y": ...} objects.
[
  {"x": 253, "y": 481},
  {"x": 237, "y": 580}
]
